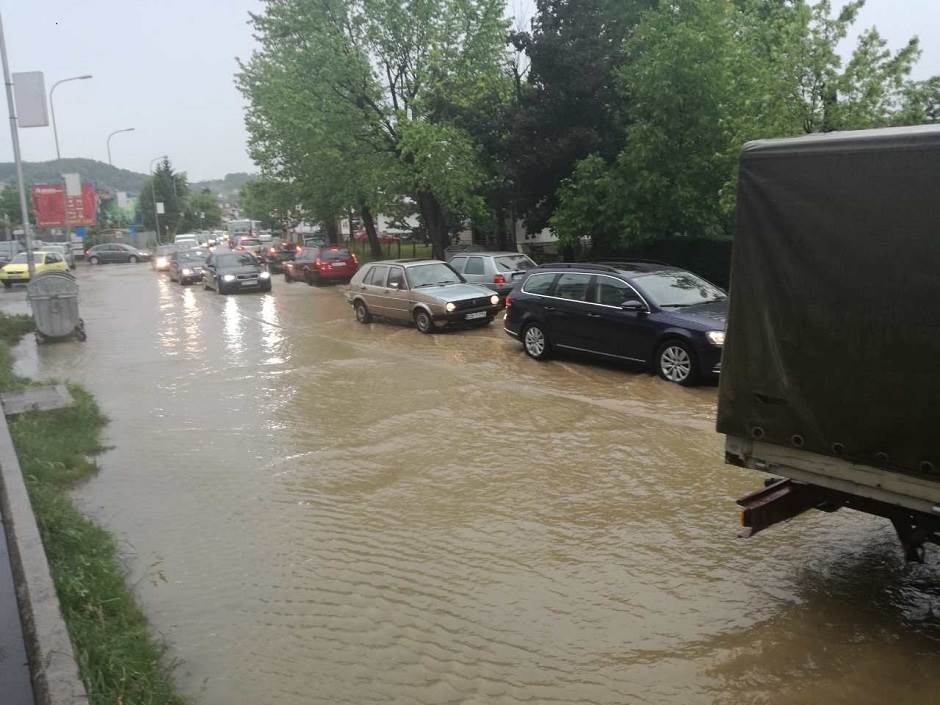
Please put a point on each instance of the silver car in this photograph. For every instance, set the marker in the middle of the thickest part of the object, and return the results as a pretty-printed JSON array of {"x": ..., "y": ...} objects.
[
  {"x": 427, "y": 292},
  {"x": 498, "y": 271}
]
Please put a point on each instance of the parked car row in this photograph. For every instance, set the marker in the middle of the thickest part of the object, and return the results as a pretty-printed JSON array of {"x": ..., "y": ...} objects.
[{"x": 654, "y": 314}]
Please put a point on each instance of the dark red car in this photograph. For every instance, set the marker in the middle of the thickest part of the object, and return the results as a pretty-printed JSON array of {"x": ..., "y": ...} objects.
[{"x": 327, "y": 263}]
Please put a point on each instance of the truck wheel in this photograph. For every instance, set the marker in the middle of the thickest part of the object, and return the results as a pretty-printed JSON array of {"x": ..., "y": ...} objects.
[
  {"x": 423, "y": 321},
  {"x": 362, "y": 313},
  {"x": 675, "y": 362},
  {"x": 535, "y": 342}
]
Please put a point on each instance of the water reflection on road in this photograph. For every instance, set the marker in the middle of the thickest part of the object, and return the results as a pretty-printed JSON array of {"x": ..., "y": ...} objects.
[{"x": 347, "y": 513}]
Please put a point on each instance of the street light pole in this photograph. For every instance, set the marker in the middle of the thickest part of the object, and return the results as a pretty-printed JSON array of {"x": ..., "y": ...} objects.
[
  {"x": 55, "y": 131},
  {"x": 15, "y": 134},
  {"x": 153, "y": 194},
  {"x": 126, "y": 129}
]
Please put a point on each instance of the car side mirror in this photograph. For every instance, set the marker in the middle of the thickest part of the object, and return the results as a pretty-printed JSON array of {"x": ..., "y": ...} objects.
[{"x": 633, "y": 305}]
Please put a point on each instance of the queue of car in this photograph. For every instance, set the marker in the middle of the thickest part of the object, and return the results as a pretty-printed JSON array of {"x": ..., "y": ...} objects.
[{"x": 664, "y": 318}]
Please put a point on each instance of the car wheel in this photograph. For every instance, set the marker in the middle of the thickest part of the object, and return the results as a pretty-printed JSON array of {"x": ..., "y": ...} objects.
[
  {"x": 287, "y": 277},
  {"x": 535, "y": 342},
  {"x": 94, "y": 260},
  {"x": 675, "y": 362},
  {"x": 132, "y": 259},
  {"x": 423, "y": 321},
  {"x": 219, "y": 289},
  {"x": 362, "y": 313}
]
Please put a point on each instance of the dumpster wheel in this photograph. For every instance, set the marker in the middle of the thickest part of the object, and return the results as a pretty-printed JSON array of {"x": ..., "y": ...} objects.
[{"x": 80, "y": 331}]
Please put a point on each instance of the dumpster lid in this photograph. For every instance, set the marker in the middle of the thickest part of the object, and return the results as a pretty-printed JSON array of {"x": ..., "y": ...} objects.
[{"x": 52, "y": 284}]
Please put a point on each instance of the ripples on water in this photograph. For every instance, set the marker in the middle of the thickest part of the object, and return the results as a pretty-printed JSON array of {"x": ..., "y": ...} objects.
[{"x": 360, "y": 514}]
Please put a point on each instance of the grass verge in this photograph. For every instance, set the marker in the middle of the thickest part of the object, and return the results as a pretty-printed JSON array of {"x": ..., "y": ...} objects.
[{"x": 120, "y": 661}]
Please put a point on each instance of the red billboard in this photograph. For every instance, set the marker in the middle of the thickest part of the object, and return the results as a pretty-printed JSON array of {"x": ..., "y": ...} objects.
[{"x": 50, "y": 205}]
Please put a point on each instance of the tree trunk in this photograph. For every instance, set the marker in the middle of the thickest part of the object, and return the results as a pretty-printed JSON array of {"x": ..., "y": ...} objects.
[
  {"x": 332, "y": 231},
  {"x": 369, "y": 223},
  {"x": 436, "y": 221}
]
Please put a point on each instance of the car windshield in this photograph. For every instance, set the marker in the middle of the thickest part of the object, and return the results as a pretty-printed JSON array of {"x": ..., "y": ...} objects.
[
  {"x": 19, "y": 259},
  {"x": 514, "y": 263},
  {"x": 431, "y": 275},
  {"x": 334, "y": 253},
  {"x": 235, "y": 260},
  {"x": 677, "y": 289}
]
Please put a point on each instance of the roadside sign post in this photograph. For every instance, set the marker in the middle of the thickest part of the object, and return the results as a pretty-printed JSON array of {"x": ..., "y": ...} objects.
[{"x": 15, "y": 135}]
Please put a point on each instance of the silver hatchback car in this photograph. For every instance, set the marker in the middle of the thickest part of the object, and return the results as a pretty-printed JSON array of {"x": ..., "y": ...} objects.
[
  {"x": 427, "y": 292},
  {"x": 498, "y": 271}
]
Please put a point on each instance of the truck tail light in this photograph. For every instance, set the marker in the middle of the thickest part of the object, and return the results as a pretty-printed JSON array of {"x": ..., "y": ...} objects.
[{"x": 499, "y": 279}]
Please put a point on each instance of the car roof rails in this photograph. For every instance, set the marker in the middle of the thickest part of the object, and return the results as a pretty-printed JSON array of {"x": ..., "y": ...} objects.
[
  {"x": 634, "y": 261},
  {"x": 577, "y": 265}
]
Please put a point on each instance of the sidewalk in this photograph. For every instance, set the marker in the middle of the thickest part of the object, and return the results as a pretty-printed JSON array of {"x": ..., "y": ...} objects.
[{"x": 14, "y": 669}]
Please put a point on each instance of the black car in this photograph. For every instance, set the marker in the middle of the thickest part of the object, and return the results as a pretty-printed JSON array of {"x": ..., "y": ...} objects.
[
  {"x": 115, "y": 252},
  {"x": 234, "y": 271},
  {"x": 276, "y": 253},
  {"x": 646, "y": 312},
  {"x": 186, "y": 266}
]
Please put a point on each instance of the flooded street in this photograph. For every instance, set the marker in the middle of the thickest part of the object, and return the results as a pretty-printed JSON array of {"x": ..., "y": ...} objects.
[{"x": 317, "y": 511}]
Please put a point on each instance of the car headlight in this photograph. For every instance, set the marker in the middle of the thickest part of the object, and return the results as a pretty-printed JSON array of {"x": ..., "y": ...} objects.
[
  {"x": 228, "y": 278},
  {"x": 716, "y": 337},
  {"x": 264, "y": 275},
  {"x": 494, "y": 299},
  {"x": 450, "y": 307},
  {"x": 187, "y": 272}
]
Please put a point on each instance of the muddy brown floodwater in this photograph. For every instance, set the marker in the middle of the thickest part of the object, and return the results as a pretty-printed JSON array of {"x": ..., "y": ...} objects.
[{"x": 317, "y": 511}]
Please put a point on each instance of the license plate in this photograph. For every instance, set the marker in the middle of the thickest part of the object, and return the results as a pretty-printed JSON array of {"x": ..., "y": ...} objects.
[
  {"x": 472, "y": 316},
  {"x": 249, "y": 282},
  {"x": 338, "y": 266}
]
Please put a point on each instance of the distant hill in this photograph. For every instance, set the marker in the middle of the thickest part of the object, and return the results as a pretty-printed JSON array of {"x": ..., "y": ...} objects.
[
  {"x": 227, "y": 186},
  {"x": 100, "y": 174},
  {"x": 106, "y": 177}
]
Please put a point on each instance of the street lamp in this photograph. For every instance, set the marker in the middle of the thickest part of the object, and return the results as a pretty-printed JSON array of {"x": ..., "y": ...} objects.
[
  {"x": 55, "y": 132},
  {"x": 153, "y": 193},
  {"x": 116, "y": 132}
]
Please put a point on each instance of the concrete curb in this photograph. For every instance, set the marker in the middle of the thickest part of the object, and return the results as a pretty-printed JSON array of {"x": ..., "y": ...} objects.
[{"x": 56, "y": 679}]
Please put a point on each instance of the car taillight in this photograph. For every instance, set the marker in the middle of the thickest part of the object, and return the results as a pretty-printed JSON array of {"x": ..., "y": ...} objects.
[
  {"x": 87, "y": 253},
  {"x": 241, "y": 247},
  {"x": 355, "y": 259},
  {"x": 509, "y": 301},
  {"x": 499, "y": 279},
  {"x": 317, "y": 262},
  {"x": 272, "y": 251},
  {"x": 299, "y": 248}
]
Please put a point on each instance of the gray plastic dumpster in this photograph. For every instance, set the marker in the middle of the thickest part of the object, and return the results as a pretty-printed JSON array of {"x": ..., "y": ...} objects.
[{"x": 54, "y": 300}]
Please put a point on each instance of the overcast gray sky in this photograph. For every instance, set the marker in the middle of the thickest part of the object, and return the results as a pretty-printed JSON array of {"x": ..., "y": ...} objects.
[{"x": 165, "y": 67}]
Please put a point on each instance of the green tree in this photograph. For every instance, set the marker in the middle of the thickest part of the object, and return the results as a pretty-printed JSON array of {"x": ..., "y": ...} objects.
[
  {"x": 705, "y": 76},
  {"x": 201, "y": 211},
  {"x": 351, "y": 100},
  {"x": 10, "y": 213},
  {"x": 569, "y": 102},
  {"x": 172, "y": 189},
  {"x": 275, "y": 203}
]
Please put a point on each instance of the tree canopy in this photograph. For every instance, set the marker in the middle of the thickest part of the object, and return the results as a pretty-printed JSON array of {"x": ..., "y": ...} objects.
[{"x": 614, "y": 120}]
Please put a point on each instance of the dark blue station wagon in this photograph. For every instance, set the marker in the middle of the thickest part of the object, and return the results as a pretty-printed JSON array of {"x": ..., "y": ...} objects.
[{"x": 642, "y": 312}]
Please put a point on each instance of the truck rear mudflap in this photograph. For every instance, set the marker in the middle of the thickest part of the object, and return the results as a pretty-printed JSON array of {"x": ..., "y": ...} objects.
[{"x": 812, "y": 481}]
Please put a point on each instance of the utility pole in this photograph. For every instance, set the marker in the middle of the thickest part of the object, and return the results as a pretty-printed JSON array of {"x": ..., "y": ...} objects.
[
  {"x": 15, "y": 135},
  {"x": 153, "y": 194}
]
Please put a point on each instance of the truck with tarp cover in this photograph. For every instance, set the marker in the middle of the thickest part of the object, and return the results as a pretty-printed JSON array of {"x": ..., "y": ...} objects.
[{"x": 831, "y": 366}]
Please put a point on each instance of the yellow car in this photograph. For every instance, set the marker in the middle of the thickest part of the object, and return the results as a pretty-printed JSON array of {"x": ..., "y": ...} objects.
[{"x": 18, "y": 270}]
